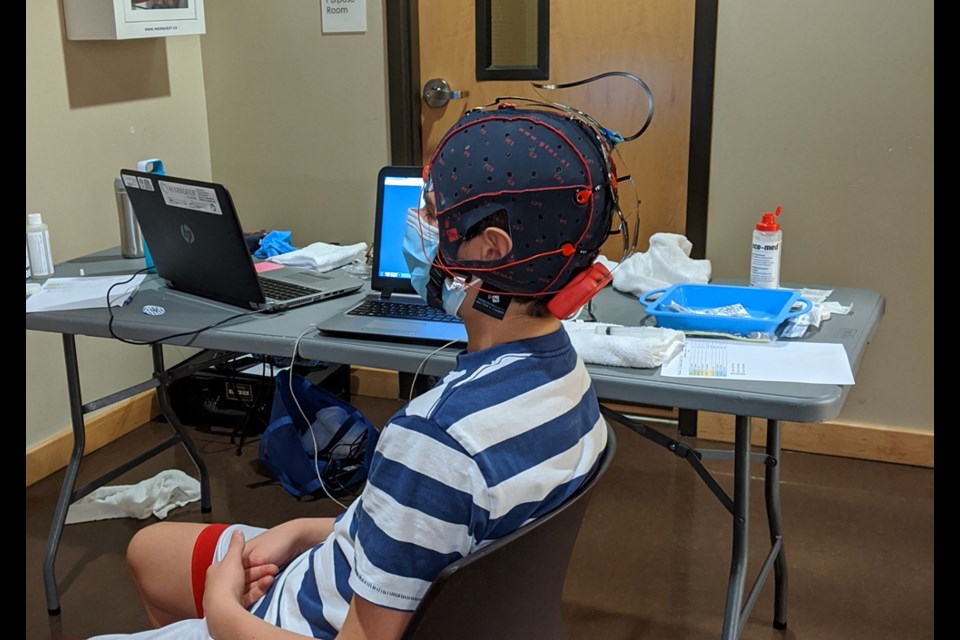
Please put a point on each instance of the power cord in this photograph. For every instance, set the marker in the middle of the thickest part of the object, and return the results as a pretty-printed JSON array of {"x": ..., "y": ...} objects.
[{"x": 193, "y": 332}]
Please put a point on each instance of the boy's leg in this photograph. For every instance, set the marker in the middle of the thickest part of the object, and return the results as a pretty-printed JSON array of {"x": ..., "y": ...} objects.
[{"x": 160, "y": 559}]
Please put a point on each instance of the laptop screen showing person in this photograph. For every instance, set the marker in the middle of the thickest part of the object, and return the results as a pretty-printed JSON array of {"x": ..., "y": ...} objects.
[
  {"x": 394, "y": 310},
  {"x": 399, "y": 191}
]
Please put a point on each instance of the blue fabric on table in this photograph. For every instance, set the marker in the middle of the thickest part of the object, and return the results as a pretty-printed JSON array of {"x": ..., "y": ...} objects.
[{"x": 274, "y": 244}]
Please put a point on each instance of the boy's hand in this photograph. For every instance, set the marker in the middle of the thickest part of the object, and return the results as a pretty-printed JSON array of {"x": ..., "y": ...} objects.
[{"x": 226, "y": 579}]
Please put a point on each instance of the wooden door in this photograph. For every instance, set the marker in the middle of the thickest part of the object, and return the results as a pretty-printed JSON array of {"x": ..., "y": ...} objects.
[{"x": 652, "y": 39}]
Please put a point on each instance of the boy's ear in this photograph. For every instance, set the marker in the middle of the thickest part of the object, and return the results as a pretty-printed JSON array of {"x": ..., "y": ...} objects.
[{"x": 496, "y": 242}]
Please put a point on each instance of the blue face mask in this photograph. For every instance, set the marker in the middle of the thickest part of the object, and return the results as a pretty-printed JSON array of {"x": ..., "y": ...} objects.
[{"x": 419, "y": 251}]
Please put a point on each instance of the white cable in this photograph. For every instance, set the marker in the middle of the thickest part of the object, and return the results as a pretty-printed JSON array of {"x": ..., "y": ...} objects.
[
  {"x": 413, "y": 383},
  {"x": 316, "y": 449}
]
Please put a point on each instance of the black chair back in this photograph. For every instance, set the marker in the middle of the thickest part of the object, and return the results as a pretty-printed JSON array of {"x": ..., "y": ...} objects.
[{"x": 510, "y": 589}]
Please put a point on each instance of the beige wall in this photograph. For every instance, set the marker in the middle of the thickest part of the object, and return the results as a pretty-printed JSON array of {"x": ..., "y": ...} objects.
[
  {"x": 827, "y": 108},
  {"x": 92, "y": 108},
  {"x": 291, "y": 119},
  {"x": 298, "y": 118}
]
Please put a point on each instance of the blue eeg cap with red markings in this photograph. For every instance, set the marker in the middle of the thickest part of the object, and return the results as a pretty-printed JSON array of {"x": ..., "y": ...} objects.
[{"x": 549, "y": 171}]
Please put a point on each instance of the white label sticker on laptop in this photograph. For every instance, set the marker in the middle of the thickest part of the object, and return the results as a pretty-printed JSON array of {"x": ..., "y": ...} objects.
[
  {"x": 190, "y": 197},
  {"x": 131, "y": 181},
  {"x": 145, "y": 184}
]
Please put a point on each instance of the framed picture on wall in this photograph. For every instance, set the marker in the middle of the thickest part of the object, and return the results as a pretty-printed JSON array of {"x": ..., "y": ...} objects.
[{"x": 125, "y": 19}]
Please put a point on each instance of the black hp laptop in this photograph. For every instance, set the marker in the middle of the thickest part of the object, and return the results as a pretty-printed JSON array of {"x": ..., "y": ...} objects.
[
  {"x": 394, "y": 310},
  {"x": 196, "y": 242}
]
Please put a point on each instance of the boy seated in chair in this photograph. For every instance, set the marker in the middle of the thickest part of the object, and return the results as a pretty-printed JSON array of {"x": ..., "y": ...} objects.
[{"x": 517, "y": 205}]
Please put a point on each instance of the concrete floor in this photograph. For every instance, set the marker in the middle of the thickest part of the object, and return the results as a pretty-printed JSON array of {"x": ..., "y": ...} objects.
[{"x": 652, "y": 560}]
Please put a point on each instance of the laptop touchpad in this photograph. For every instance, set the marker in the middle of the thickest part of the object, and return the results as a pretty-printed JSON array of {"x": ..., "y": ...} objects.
[
  {"x": 306, "y": 277},
  {"x": 391, "y": 326}
]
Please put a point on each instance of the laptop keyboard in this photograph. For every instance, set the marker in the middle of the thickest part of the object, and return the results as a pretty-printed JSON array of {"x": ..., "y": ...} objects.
[
  {"x": 275, "y": 290},
  {"x": 394, "y": 309}
]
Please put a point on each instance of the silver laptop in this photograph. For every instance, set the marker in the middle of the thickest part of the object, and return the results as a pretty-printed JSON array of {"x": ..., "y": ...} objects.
[
  {"x": 197, "y": 244},
  {"x": 393, "y": 310}
]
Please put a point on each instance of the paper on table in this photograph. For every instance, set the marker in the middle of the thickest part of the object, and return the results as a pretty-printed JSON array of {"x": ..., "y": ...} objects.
[
  {"x": 263, "y": 267},
  {"x": 817, "y": 363},
  {"x": 59, "y": 294}
]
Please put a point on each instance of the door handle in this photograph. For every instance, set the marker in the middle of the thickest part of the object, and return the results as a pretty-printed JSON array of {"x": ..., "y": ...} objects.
[{"x": 437, "y": 93}]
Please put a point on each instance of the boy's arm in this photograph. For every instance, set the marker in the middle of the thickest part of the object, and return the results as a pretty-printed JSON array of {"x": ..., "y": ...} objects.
[
  {"x": 227, "y": 619},
  {"x": 367, "y": 621},
  {"x": 286, "y": 541}
]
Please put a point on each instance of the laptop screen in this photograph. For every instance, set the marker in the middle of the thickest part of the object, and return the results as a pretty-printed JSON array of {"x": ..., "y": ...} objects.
[{"x": 398, "y": 190}]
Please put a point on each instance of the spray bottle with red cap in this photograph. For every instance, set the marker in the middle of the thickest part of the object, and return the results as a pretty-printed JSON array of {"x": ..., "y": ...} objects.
[{"x": 765, "y": 257}]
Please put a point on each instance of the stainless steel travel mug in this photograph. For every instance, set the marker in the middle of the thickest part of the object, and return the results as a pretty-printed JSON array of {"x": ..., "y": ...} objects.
[{"x": 131, "y": 240}]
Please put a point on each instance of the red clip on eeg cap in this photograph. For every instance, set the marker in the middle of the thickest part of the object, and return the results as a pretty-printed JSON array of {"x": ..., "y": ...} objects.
[
  {"x": 579, "y": 291},
  {"x": 548, "y": 171}
]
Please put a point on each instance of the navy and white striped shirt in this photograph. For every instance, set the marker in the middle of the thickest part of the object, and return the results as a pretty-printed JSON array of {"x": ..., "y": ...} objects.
[{"x": 506, "y": 437}]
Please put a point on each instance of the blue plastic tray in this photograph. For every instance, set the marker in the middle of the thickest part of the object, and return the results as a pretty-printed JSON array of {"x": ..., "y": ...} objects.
[{"x": 768, "y": 308}]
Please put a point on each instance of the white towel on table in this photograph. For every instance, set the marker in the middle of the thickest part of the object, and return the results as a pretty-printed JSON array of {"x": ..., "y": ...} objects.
[
  {"x": 156, "y": 496},
  {"x": 665, "y": 263},
  {"x": 321, "y": 256},
  {"x": 619, "y": 346}
]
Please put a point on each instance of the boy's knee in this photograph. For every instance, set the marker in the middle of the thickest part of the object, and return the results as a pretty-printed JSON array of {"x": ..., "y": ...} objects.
[
  {"x": 141, "y": 548},
  {"x": 134, "y": 550}
]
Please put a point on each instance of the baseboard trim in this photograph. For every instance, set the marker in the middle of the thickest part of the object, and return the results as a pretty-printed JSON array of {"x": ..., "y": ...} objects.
[
  {"x": 374, "y": 383},
  {"x": 881, "y": 444},
  {"x": 53, "y": 454}
]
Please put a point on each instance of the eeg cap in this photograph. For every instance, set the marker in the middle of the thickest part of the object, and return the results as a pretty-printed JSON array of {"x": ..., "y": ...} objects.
[{"x": 550, "y": 171}]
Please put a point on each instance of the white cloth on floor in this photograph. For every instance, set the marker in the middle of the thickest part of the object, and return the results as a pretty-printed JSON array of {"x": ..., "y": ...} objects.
[
  {"x": 156, "y": 496},
  {"x": 665, "y": 263},
  {"x": 321, "y": 256},
  {"x": 619, "y": 346}
]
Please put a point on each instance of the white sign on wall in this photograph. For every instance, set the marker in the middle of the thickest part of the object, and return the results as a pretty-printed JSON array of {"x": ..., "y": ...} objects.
[{"x": 344, "y": 16}]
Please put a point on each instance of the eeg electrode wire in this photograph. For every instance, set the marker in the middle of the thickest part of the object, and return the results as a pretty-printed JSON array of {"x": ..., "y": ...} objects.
[
  {"x": 413, "y": 383},
  {"x": 612, "y": 138}
]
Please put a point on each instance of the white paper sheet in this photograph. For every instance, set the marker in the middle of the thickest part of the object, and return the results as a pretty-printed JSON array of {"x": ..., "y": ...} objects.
[
  {"x": 58, "y": 294},
  {"x": 818, "y": 363}
]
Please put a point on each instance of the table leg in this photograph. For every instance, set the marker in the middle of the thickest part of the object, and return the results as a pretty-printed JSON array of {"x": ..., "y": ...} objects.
[
  {"x": 772, "y": 493},
  {"x": 741, "y": 528},
  {"x": 163, "y": 399},
  {"x": 687, "y": 422},
  {"x": 68, "y": 490},
  {"x": 69, "y": 479},
  {"x": 738, "y": 608}
]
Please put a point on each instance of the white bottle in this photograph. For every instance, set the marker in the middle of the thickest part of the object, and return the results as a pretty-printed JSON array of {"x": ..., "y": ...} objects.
[
  {"x": 765, "y": 255},
  {"x": 38, "y": 247}
]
